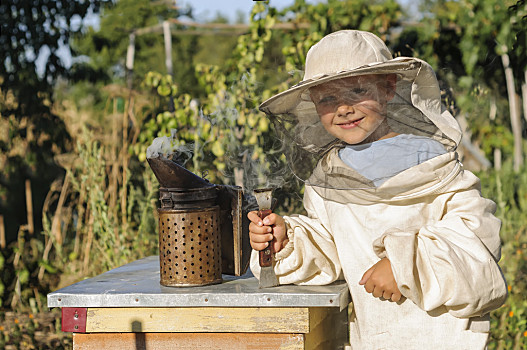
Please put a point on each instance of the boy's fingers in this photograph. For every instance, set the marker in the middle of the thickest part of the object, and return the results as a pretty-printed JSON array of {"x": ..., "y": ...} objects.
[
  {"x": 271, "y": 219},
  {"x": 259, "y": 229},
  {"x": 377, "y": 292},
  {"x": 253, "y": 217},
  {"x": 277, "y": 246},
  {"x": 366, "y": 276},
  {"x": 396, "y": 297},
  {"x": 369, "y": 286},
  {"x": 259, "y": 246},
  {"x": 261, "y": 237}
]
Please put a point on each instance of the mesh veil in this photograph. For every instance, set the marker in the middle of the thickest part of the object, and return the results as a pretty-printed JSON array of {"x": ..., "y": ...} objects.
[{"x": 415, "y": 109}]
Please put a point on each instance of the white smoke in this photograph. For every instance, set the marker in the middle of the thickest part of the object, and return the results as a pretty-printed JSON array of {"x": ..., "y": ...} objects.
[{"x": 169, "y": 147}]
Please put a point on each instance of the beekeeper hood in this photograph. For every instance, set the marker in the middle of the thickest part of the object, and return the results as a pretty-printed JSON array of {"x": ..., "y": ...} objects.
[{"x": 416, "y": 107}]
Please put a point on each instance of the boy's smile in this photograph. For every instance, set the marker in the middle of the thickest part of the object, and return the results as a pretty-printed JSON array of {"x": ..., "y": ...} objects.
[{"x": 353, "y": 109}]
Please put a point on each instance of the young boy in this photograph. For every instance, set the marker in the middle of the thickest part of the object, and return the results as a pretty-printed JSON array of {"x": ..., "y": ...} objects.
[{"x": 389, "y": 207}]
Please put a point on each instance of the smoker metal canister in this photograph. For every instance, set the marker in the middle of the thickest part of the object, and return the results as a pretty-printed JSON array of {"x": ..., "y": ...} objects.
[{"x": 189, "y": 238}]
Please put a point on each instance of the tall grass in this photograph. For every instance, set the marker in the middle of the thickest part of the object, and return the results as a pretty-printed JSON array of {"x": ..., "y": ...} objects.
[
  {"x": 509, "y": 190},
  {"x": 100, "y": 215}
]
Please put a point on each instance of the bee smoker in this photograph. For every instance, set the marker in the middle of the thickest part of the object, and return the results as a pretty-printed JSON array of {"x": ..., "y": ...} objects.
[{"x": 201, "y": 225}]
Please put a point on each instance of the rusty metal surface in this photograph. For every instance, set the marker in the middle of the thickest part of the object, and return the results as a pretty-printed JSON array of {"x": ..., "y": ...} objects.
[
  {"x": 189, "y": 247},
  {"x": 137, "y": 285}
]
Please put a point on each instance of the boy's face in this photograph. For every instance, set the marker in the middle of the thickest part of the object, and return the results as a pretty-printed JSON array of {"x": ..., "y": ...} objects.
[{"x": 353, "y": 109}]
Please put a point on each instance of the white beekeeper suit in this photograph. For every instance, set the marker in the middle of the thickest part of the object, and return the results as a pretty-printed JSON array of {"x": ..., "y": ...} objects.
[{"x": 430, "y": 220}]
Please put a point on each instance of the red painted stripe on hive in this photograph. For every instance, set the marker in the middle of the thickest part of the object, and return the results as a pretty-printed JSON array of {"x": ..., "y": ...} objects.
[{"x": 74, "y": 319}]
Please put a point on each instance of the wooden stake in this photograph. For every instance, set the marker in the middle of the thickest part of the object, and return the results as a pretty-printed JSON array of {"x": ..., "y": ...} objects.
[
  {"x": 514, "y": 111},
  {"x": 524, "y": 95},
  {"x": 130, "y": 52},
  {"x": 29, "y": 207},
  {"x": 2, "y": 233},
  {"x": 168, "y": 47}
]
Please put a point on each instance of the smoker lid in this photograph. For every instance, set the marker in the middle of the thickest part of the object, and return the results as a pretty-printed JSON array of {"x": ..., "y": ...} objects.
[{"x": 172, "y": 175}]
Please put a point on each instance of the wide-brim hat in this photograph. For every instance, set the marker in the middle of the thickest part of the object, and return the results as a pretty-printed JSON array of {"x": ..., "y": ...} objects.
[{"x": 416, "y": 108}]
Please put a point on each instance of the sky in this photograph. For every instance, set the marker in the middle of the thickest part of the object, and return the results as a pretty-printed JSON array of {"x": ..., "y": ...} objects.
[{"x": 207, "y": 9}]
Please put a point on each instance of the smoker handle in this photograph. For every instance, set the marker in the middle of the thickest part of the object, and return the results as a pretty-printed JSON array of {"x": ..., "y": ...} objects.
[{"x": 266, "y": 255}]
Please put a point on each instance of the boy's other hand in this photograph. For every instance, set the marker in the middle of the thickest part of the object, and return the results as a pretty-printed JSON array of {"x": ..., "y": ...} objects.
[
  {"x": 270, "y": 229},
  {"x": 379, "y": 281}
]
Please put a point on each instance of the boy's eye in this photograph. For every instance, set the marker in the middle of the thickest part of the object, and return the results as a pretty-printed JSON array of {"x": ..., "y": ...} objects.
[
  {"x": 359, "y": 91},
  {"x": 327, "y": 100}
]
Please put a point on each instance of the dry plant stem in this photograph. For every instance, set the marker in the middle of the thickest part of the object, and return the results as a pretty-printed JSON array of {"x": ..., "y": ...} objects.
[
  {"x": 112, "y": 188},
  {"x": 37, "y": 299},
  {"x": 17, "y": 255},
  {"x": 45, "y": 256},
  {"x": 124, "y": 154},
  {"x": 55, "y": 226},
  {"x": 503, "y": 330},
  {"x": 87, "y": 245},
  {"x": 80, "y": 214},
  {"x": 2, "y": 233},
  {"x": 18, "y": 293},
  {"x": 87, "y": 231},
  {"x": 29, "y": 207},
  {"x": 517, "y": 341},
  {"x": 86, "y": 221},
  {"x": 136, "y": 128}
]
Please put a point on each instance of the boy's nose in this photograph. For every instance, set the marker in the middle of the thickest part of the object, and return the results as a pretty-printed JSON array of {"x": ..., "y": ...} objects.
[{"x": 344, "y": 109}]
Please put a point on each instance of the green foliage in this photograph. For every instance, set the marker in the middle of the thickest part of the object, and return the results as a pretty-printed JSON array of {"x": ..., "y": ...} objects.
[
  {"x": 509, "y": 189},
  {"x": 463, "y": 41},
  {"x": 518, "y": 19},
  {"x": 323, "y": 18}
]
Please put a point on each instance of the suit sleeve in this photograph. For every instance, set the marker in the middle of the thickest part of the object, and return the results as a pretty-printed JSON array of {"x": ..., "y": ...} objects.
[
  {"x": 451, "y": 264},
  {"x": 310, "y": 257}
]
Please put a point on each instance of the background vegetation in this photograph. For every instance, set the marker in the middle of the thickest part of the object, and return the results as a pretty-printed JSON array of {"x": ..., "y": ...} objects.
[{"x": 76, "y": 196}]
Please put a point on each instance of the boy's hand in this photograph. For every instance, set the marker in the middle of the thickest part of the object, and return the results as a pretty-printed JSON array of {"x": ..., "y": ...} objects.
[
  {"x": 379, "y": 281},
  {"x": 271, "y": 228}
]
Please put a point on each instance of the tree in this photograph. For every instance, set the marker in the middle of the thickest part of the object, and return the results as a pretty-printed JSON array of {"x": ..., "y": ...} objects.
[
  {"x": 468, "y": 42},
  {"x": 32, "y": 32},
  {"x": 105, "y": 47}
]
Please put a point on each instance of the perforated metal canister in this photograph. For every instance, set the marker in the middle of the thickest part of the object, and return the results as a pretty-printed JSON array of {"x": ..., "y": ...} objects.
[{"x": 189, "y": 247}]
